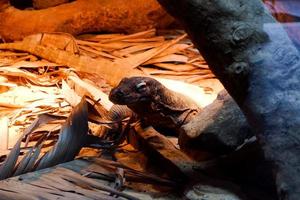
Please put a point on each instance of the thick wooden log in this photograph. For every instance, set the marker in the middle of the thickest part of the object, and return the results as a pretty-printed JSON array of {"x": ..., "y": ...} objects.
[
  {"x": 220, "y": 128},
  {"x": 36, "y": 4},
  {"x": 259, "y": 66},
  {"x": 176, "y": 162},
  {"x": 42, "y": 4},
  {"x": 83, "y": 16}
]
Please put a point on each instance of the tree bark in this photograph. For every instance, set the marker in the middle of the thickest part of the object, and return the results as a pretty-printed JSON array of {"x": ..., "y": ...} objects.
[{"x": 259, "y": 66}]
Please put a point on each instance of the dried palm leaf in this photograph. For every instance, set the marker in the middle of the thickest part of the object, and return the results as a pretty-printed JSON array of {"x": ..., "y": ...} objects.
[
  {"x": 60, "y": 40},
  {"x": 24, "y": 58},
  {"x": 97, "y": 38},
  {"x": 33, "y": 64},
  {"x": 45, "y": 80},
  {"x": 176, "y": 48},
  {"x": 143, "y": 34},
  {"x": 96, "y": 52},
  {"x": 70, "y": 139},
  {"x": 168, "y": 58},
  {"x": 109, "y": 167},
  {"x": 28, "y": 161},
  {"x": 92, "y": 91},
  {"x": 10, "y": 54},
  {"x": 7, "y": 168},
  {"x": 4, "y": 122},
  {"x": 72, "y": 176},
  {"x": 137, "y": 48},
  {"x": 70, "y": 95},
  {"x": 144, "y": 40},
  {"x": 136, "y": 60},
  {"x": 175, "y": 67}
]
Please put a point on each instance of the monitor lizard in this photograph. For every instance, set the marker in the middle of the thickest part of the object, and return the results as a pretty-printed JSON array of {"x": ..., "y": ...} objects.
[{"x": 155, "y": 104}]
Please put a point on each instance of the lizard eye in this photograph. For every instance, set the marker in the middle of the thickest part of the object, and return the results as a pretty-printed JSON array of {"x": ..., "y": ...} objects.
[{"x": 141, "y": 86}]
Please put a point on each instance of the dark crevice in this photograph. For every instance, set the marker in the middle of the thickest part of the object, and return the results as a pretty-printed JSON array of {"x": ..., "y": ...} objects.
[{"x": 21, "y": 4}]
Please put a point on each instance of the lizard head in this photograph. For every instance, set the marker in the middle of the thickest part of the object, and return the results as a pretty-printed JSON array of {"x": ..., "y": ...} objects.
[{"x": 133, "y": 90}]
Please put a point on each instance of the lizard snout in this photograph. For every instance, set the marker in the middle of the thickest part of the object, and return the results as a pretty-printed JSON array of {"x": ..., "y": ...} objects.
[{"x": 116, "y": 95}]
